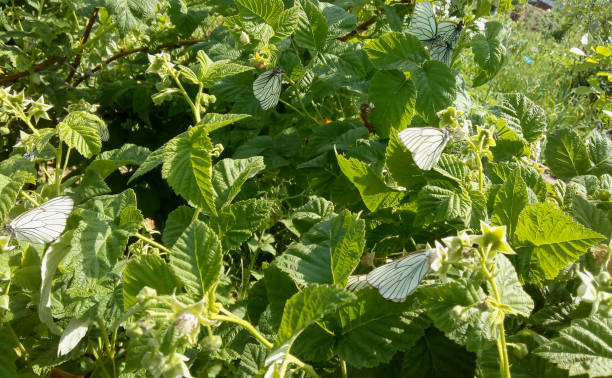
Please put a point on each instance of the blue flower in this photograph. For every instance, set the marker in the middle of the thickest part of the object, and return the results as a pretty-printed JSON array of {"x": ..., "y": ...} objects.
[{"x": 528, "y": 59}]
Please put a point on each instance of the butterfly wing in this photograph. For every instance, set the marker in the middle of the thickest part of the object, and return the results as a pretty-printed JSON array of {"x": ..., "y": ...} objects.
[
  {"x": 444, "y": 48},
  {"x": 396, "y": 280},
  {"x": 267, "y": 88},
  {"x": 42, "y": 224},
  {"x": 357, "y": 282},
  {"x": 425, "y": 143},
  {"x": 423, "y": 24}
]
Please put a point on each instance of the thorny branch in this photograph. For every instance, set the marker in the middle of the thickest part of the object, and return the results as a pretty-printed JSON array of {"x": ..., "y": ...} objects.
[{"x": 77, "y": 59}]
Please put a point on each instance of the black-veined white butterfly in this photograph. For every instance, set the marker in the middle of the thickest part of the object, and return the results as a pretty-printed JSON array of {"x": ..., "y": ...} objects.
[
  {"x": 441, "y": 38},
  {"x": 396, "y": 280},
  {"x": 267, "y": 87},
  {"x": 423, "y": 24},
  {"x": 425, "y": 143},
  {"x": 44, "y": 223},
  {"x": 444, "y": 49}
]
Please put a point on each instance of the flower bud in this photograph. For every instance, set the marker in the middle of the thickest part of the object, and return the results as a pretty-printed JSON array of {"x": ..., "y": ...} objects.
[{"x": 244, "y": 38}]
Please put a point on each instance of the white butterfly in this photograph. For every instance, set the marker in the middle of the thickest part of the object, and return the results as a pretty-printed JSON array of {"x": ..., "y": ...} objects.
[
  {"x": 44, "y": 223},
  {"x": 267, "y": 87},
  {"x": 425, "y": 143},
  {"x": 396, "y": 280}
]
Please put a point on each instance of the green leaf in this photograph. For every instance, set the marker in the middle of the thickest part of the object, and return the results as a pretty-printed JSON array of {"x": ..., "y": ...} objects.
[
  {"x": 372, "y": 329},
  {"x": 437, "y": 356},
  {"x": 548, "y": 240},
  {"x": 510, "y": 289},
  {"x": 347, "y": 237},
  {"x": 312, "y": 27},
  {"x": 260, "y": 11},
  {"x": 340, "y": 21},
  {"x": 307, "y": 215},
  {"x": 566, "y": 154},
  {"x": 523, "y": 362},
  {"x": 327, "y": 253},
  {"x": 154, "y": 159},
  {"x": 147, "y": 270},
  {"x": 237, "y": 222},
  {"x": 178, "y": 220},
  {"x": 215, "y": 121},
  {"x": 374, "y": 193},
  {"x": 197, "y": 258},
  {"x": 583, "y": 348},
  {"x": 216, "y": 71},
  {"x": 72, "y": 335},
  {"x": 79, "y": 130},
  {"x": 279, "y": 288},
  {"x": 102, "y": 234},
  {"x": 489, "y": 52},
  {"x": 443, "y": 302},
  {"x": 600, "y": 153},
  {"x": 391, "y": 111},
  {"x": 188, "y": 167},
  {"x": 479, "y": 209},
  {"x": 510, "y": 200},
  {"x": 590, "y": 216},
  {"x": 53, "y": 256},
  {"x": 308, "y": 306},
  {"x": 130, "y": 14},
  {"x": 520, "y": 113},
  {"x": 7, "y": 353},
  {"x": 230, "y": 174},
  {"x": 109, "y": 161},
  {"x": 9, "y": 190},
  {"x": 287, "y": 23},
  {"x": 185, "y": 19},
  {"x": 436, "y": 204},
  {"x": 401, "y": 165},
  {"x": 436, "y": 88},
  {"x": 252, "y": 360},
  {"x": 400, "y": 51}
]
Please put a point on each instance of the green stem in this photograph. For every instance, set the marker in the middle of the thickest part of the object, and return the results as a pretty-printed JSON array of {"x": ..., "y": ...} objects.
[
  {"x": 152, "y": 242},
  {"x": 502, "y": 348},
  {"x": 100, "y": 32},
  {"x": 480, "y": 179},
  {"x": 297, "y": 110},
  {"x": 107, "y": 345},
  {"x": 344, "y": 370},
  {"x": 66, "y": 161},
  {"x": 229, "y": 317},
  {"x": 58, "y": 165},
  {"x": 247, "y": 275},
  {"x": 196, "y": 213},
  {"x": 195, "y": 111},
  {"x": 306, "y": 367},
  {"x": 198, "y": 103},
  {"x": 32, "y": 200}
]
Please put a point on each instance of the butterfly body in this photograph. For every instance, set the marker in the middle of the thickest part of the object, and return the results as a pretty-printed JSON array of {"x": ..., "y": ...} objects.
[
  {"x": 267, "y": 87},
  {"x": 42, "y": 224},
  {"x": 398, "y": 279},
  {"x": 425, "y": 143}
]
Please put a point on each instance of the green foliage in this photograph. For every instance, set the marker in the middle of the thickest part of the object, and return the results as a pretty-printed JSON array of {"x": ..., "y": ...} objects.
[
  {"x": 549, "y": 240},
  {"x": 581, "y": 348},
  {"x": 235, "y": 260}
]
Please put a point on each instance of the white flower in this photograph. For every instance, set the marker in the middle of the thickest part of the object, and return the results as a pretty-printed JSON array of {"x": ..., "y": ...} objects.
[
  {"x": 437, "y": 257},
  {"x": 586, "y": 291}
]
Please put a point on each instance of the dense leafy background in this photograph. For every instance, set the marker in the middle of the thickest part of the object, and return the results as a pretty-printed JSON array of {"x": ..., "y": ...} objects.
[{"x": 213, "y": 238}]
